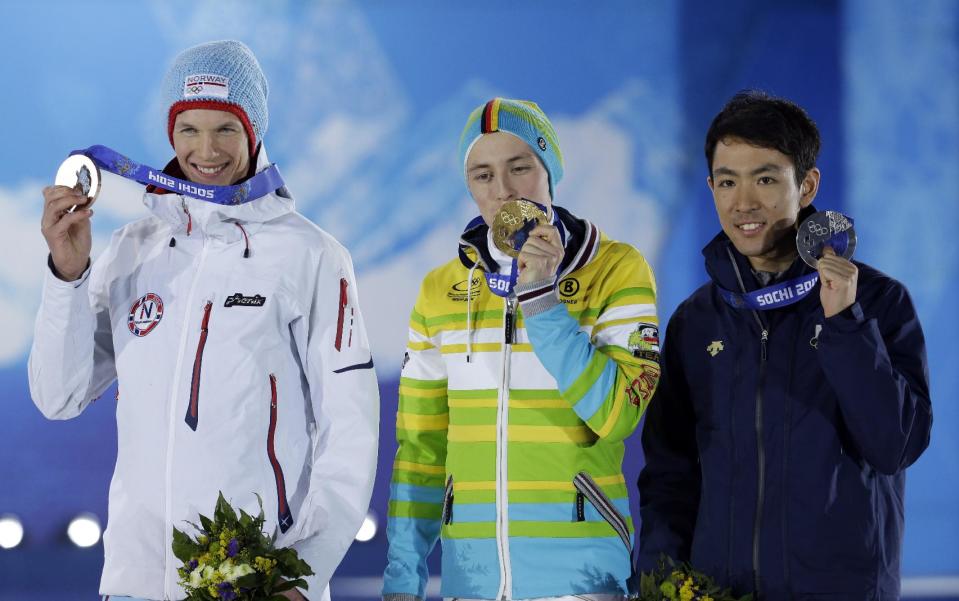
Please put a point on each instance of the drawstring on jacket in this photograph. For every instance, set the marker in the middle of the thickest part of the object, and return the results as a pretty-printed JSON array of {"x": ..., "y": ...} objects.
[
  {"x": 189, "y": 218},
  {"x": 246, "y": 239},
  {"x": 189, "y": 229},
  {"x": 469, "y": 311}
]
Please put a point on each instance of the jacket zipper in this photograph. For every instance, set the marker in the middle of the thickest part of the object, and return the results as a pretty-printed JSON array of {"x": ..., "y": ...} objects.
[
  {"x": 168, "y": 581},
  {"x": 760, "y": 451},
  {"x": 341, "y": 316},
  {"x": 587, "y": 487},
  {"x": 192, "y": 411},
  {"x": 448, "y": 501},
  {"x": 502, "y": 427},
  {"x": 760, "y": 457},
  {"x": 283, "y": 514}
]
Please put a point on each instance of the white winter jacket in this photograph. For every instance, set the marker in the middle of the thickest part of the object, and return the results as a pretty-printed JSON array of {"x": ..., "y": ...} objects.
[{"x": 241, "y": 372}]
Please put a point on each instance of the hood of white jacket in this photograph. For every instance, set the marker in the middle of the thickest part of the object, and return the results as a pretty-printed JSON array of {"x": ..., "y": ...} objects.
[{"x": 218, "y": 221}]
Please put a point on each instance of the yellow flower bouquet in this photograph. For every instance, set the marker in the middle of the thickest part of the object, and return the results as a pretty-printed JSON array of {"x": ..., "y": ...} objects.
[
  {"x": 232, "y": 559},
  {"x": 672, "y": 581}
]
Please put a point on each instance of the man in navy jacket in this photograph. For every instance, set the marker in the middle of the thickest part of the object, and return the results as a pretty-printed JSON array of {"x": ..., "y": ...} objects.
[{"x": 777, "y": 443}]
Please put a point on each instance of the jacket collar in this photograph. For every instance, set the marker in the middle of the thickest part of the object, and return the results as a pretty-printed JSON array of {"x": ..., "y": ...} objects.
[
  {"x": 581, "y": 245},
  {"x": 723, "y": 273},
  {"x": 215, "y": 220}
]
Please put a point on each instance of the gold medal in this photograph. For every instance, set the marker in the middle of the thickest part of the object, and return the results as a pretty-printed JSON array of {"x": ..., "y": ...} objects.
[
  {"x": 513, "y": 217},
  {"x": 82, "y": 174}
]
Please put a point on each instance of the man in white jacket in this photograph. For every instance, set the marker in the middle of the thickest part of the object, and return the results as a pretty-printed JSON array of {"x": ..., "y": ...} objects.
[{"x": 235, "y": 334}]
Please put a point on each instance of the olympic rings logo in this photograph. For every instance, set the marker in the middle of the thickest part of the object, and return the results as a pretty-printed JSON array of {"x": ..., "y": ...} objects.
[{"x": 817, "y": 229}]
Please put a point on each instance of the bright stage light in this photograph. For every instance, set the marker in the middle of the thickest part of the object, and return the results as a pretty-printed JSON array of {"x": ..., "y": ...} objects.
[
  {"x": 84, "y": 530},
  {"x": 368, "y": 529},
  {"x": 11, "y": 531}
]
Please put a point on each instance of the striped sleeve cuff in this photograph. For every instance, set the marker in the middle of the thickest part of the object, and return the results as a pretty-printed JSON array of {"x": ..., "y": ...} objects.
[{"x": 537, "y": 297}]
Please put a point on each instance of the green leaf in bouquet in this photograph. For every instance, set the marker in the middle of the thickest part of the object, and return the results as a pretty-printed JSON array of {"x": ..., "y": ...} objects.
[
  {"x": 647, "y": 586},
  {"x": 246, "y": 520},
  {"x": 183, "y": 546},
  {"x": 291, "y": 565},
  {"x": 207, "y": 524},
  {"x": 272, "y": 579},
  {"x": 303, "y": 568},
  {"x": 195, "y": 527},
  {"x": 224, "y": 513},
  {"x": 248, "y": 581},
  {"x": 286, "y": 585}
]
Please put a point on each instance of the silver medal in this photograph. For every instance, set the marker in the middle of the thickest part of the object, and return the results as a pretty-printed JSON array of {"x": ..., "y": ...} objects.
[
  {"x": 80, "y": 173},
  {"x": 822, "y": 228}
]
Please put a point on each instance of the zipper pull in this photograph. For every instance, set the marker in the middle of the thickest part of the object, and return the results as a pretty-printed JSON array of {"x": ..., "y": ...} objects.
[
  {"x": 510, "y": 326},
  {"x": 762, "y": 340},
  {"x": 814, "y": 341}
]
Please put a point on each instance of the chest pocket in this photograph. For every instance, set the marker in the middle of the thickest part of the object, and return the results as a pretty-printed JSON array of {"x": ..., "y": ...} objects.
[{"x": 248, "y": 314}]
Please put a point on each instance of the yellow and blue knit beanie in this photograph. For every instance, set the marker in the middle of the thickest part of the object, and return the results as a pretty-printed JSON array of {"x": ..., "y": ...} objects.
[
  {"x": 523, "y": 119},
  {"x": 222, "y": 76}
]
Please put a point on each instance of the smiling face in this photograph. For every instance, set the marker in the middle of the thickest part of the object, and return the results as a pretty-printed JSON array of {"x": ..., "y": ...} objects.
[
  {"x": 758, "y": 201},
  {"x": 501, "y": 167},
  {"x": 211, "y": 146}
]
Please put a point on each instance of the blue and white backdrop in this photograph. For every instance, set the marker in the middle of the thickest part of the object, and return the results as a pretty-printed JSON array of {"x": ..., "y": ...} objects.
[{"x": 367, "y": 102}]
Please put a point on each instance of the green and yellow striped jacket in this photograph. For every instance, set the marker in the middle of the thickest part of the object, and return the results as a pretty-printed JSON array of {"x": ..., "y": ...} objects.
[{"x": 512, "y": 416}]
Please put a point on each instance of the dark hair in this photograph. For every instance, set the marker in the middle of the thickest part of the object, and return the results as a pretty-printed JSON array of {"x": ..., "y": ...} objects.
[{"x": 768, "y": 122}]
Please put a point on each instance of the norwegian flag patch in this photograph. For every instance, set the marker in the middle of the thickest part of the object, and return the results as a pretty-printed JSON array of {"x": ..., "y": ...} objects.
[{"x": 145, "y": 314}]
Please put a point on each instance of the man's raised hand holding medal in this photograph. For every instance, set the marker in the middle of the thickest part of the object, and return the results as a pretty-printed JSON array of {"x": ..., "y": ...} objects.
[
  {"x": 540, "y": 256},
  {"x": 67, "y": 232},
  {"x": 826, "y": 242},
  {"x": 838, "y": 277}
]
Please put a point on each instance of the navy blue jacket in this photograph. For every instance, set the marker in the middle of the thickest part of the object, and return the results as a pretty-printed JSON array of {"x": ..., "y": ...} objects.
[{"x": 785, "y": 474}]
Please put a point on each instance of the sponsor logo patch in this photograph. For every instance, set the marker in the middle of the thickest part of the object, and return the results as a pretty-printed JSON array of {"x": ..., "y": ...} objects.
[
  {"x": 542, "y": 143},
  {"x": 641, "y": 389},
  {"x": 240, "y": 300},
  {"x": 644, "y": 342},
  {"x": 568, "y": 287},
  {"x": 715, "y": 347},
  {"x": 459, "y": 290},
  {"x": 206, "y": 84},
  {"x": 145, "y": 314}
]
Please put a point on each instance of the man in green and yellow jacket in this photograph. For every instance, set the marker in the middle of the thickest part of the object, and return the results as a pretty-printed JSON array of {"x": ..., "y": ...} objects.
[{"x": 522, "y": 378}]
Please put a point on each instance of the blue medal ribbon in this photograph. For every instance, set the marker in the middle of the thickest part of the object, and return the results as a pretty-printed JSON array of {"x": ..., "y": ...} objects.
[
  {"x": 772, "y": 297},
  {"x": 502, "y": 285},
  {"x": 265, "y": 182}
]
